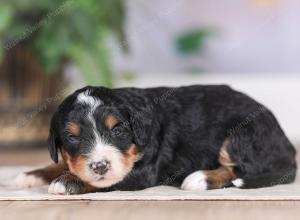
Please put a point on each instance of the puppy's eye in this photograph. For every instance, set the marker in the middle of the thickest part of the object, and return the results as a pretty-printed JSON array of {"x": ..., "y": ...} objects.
[
  {"x": 118, "y": 129},
  {"x": 72, "y": 138}
]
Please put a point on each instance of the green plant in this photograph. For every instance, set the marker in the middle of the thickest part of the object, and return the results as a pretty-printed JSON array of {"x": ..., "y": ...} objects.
[
  {"x": 192, "y": 42},
  {"x": 56, "y": 30}
]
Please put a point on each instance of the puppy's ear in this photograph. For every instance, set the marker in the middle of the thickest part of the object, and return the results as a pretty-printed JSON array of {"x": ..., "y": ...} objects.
[
  {"x": 53, "y": 139},
  {"x": 141, "y": 122}
]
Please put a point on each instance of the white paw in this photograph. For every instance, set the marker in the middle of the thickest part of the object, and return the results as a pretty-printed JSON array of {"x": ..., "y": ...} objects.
[
  {"x": 24, "y": 180},
  {"x": 238, "y": 182},
  {"x": 195, "y": 181},
  {"x": 57, "y": 188}
]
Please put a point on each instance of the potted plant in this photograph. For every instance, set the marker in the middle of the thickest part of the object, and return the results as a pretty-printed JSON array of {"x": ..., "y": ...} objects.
[{"x": 36, "y": 39}]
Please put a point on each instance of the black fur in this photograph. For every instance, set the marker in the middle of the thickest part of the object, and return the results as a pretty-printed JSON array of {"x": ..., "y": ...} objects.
[{"x": 180, "y": 130}]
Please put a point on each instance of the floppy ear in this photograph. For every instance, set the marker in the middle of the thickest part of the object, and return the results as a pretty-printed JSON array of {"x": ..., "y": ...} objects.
[
  {"x": 141, "y": 122},
  {"x": 53, "y": 140}
]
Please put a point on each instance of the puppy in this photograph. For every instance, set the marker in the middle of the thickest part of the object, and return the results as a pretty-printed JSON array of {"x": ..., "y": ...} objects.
[{"x": 194, "y": 137}]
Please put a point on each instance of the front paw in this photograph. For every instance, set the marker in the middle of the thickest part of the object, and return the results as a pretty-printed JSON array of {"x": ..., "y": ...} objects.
[{"x": 66, "y": 184}]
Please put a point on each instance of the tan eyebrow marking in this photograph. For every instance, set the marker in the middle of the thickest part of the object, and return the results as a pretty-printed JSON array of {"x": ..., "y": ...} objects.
[
  {"x": 111, "y": 121},
  {"x": 73, "y": 128}
]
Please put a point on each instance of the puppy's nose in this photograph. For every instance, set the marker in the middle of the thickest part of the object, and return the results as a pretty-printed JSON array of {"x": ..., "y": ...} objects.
[{"x": 100, "y": 167}]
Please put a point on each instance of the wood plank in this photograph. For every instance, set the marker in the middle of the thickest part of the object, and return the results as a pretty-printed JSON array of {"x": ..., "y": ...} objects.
[{"x": 120, "y": 210}]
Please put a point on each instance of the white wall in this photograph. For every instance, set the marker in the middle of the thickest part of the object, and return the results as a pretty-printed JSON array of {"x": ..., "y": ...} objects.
[{"x": 252, "y": 35}]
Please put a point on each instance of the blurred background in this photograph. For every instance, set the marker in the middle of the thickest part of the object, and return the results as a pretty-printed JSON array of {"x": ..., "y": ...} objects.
[{"x": 49, "y": 48}]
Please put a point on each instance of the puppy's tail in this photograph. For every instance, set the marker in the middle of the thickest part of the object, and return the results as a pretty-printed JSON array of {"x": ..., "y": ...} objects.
[{"x": 265, "y": 180}]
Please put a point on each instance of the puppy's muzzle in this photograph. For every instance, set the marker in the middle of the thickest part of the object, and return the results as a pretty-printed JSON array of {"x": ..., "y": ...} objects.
[{"x": 100, "y": 167}]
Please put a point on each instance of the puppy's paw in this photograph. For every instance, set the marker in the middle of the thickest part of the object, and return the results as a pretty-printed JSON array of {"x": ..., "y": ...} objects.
[
  {"x": 66, "y": 184},
  {"x": 195, "y": 181},
  {"x": 25, "y": 180}
]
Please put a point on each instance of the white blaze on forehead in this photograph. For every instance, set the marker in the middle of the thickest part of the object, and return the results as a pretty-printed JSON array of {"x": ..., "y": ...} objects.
[{"x": 91, "y": 101}]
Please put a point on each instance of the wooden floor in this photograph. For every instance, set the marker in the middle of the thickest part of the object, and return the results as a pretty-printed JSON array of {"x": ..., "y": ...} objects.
[
  {"x": 141, "y": 210},
  {"x": 149, "y": 210}
]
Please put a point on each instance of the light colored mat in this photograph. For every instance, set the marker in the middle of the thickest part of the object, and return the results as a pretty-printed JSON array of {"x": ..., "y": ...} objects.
[{"x": 281, "y": 192}]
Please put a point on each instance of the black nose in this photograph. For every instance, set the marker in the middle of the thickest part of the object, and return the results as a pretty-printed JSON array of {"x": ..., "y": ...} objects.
[{"x": 100, "y": 167}]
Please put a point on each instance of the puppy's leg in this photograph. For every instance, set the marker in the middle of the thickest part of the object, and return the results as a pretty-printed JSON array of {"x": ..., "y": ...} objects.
[
  {"x": 212, "y": 179},
  {"x": 41, "y": 176},
  {"x": 69, "y": 184}
]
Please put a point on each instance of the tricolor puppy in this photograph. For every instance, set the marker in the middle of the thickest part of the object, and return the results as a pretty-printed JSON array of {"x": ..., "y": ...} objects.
[{"x": 195, "y": 138}]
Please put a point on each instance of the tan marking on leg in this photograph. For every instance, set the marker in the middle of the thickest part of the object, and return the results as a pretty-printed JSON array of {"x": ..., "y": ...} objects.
[
  {"x": 222, "y": 176},
  {"x": 219, "y": 178},
  {"x": 224, "y": 158},
  {"x": 51, "y": 172}
]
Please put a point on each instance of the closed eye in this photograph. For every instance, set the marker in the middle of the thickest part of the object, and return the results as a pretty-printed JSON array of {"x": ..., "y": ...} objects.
[
  {"x": 117, "y": 125},
  {"x": 72, "y": 138},
  {"x": 117, "y": 129}
]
